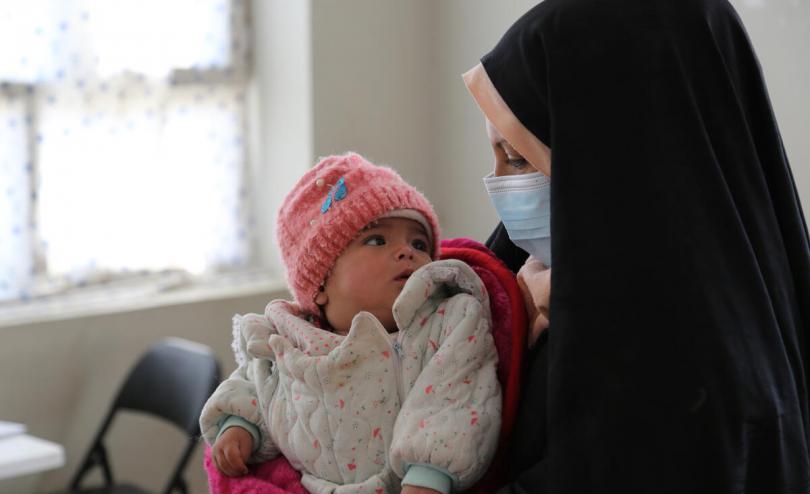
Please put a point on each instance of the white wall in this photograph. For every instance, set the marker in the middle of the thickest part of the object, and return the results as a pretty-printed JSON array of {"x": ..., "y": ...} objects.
[
  {"x": 280, "y": 107},
  {"x": 780, "y": 33}
]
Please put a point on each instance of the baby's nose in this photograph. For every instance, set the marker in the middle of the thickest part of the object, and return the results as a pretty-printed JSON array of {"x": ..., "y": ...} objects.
[{"x": 404, "y": 252}]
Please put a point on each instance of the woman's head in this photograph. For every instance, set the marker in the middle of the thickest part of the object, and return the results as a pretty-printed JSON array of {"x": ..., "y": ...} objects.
[
  {"x": 506, "y": 132},
  {"x": 329, "y": 214}
]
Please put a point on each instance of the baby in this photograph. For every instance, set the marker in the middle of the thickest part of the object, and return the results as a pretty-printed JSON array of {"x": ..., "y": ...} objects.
[{"x": 380, "y": 376}]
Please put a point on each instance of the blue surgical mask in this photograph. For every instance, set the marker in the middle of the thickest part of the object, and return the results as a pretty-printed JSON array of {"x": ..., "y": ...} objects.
[{"x": 523, "y": 203}]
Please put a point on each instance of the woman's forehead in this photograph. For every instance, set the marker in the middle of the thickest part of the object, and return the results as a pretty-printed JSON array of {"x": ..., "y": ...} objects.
[{"x": 493, "y": 133}]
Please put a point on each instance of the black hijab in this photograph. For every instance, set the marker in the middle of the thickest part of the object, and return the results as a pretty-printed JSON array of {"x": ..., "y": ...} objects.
[{"x": 680, "y": 306}]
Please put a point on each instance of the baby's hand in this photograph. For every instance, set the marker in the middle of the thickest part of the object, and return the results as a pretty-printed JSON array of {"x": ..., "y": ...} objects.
[
  {"x": 534, "y": 280},
  {"x": 412, "y": 489},
  {"x": 232, "y": 450}
]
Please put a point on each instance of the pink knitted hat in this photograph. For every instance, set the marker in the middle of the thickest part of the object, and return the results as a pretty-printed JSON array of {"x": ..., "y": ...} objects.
[{"x": 329, "y": 206}]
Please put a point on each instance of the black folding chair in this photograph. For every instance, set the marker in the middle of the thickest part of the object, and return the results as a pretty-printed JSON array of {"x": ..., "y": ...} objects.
[{"x": 172, "y": 380}]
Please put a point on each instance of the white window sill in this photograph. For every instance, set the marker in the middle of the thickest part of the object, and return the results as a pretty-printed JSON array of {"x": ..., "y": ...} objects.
[{"x": 138, "y": 295}]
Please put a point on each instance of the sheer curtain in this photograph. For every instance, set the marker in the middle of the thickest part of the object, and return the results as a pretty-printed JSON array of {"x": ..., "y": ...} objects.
[{"x": 122, "y": 150}]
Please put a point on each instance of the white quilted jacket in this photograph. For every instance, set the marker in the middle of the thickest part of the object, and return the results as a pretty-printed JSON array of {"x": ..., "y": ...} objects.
[{"x": 352, "y": 412}]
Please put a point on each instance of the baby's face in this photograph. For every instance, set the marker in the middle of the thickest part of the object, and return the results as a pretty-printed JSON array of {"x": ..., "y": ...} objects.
[{"x": 371, "y": 272}]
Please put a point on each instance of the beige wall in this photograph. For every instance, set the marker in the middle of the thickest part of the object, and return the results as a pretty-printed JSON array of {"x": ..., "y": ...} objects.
[
  {"x": 373, "y": 82},
  {"x": 59, "y": 378},
  {"x": 468, "y": 30},
  {"x": 387, "y": 83}
]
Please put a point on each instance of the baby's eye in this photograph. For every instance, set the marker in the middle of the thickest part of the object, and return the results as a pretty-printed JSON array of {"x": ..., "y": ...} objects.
[
  {"x": 374, "y": 240},
  {"x": 516, "y": 162},
  {"x": 420, "y": 244}
]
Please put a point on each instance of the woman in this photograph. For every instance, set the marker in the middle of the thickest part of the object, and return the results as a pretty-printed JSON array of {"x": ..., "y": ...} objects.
[{"x": 676, "y": 358}]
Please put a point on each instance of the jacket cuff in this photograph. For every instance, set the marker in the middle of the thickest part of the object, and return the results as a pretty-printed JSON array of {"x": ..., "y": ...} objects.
[
  {"x": 429, "y": 477},
  {"x": 237, "y": 421}
]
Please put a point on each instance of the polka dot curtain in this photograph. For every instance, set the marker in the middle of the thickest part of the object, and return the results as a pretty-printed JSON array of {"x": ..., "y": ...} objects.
[{"x": 122, "y": 147}]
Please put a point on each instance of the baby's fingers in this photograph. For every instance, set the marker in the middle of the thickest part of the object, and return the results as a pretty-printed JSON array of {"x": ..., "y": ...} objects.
[
  {"x": 221, "y": 462},
  {"x": 235, "y": 460},
  {"x": 229, "y": 460}
]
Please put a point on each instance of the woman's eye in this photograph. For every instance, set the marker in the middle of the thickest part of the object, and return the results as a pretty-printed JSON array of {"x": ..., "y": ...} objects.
[
  {"x": 516, "y": 162},
  {"x": 420, "y": 244},
  {"x": 374, "y": 240}
]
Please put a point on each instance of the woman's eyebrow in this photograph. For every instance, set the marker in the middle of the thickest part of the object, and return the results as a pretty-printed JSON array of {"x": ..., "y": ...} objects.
[{"x": 509, "y": 149}]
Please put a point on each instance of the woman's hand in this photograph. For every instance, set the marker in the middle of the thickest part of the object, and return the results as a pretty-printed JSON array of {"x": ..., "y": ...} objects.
[
  {"x": 412, "y": 489},
  {"x": 232, "y": 450},
  {"x": 534, "y": 279}
]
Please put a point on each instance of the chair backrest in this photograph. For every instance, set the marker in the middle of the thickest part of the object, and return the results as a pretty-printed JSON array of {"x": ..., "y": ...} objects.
[{"x": 172, "y": 380}]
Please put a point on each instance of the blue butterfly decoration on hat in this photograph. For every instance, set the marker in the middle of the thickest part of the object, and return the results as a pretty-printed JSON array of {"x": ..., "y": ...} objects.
[{"x": 336, "y": 193}]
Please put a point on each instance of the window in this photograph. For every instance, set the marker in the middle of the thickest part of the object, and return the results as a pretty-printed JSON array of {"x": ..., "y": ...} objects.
[{"x": 122, "y": 150}]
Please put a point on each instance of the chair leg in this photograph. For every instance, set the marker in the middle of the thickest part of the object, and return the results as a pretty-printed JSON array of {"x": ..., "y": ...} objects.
[
  {"x": 105, "y": 465},
  {"x": 182, "y": 486},
  {"x": 177, "y": 481},
  {"x": 98, "y": 456}
]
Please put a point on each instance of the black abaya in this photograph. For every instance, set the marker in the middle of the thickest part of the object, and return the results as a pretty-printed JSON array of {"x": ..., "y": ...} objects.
[{"x": 676, "y": 359}]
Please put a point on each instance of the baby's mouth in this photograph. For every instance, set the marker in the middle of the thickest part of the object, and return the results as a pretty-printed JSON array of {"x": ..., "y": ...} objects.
[{"x": 403, "y": 276}]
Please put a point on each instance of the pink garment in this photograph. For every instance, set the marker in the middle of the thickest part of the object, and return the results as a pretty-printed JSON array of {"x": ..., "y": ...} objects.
[
  {"x": 272, "y": 477},
  {"x": 509, "y": 331}
]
